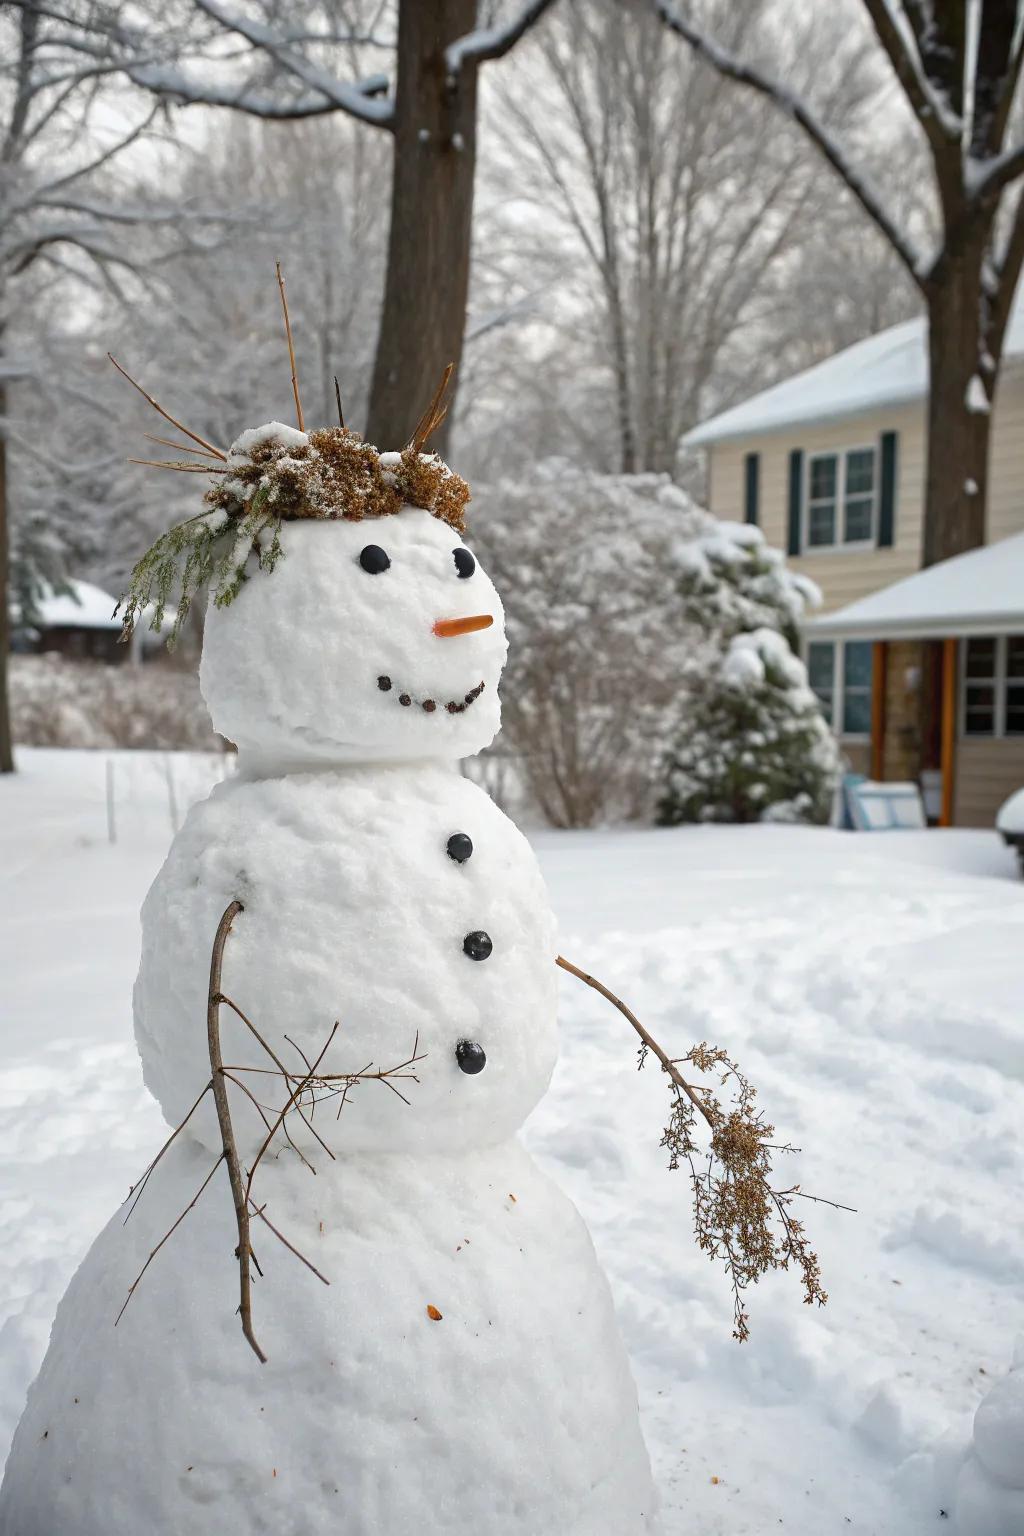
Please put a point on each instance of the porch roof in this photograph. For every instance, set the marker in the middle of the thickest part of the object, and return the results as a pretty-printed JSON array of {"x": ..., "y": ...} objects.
[{"x": 981, "y": 592}]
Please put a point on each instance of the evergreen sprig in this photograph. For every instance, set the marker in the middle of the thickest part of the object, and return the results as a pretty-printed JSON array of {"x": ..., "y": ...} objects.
[{"x": 212, "y": 549}]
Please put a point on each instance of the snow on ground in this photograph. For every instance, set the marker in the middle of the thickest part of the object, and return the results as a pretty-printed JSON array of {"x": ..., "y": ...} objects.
[{"x": 869, "y": 986}]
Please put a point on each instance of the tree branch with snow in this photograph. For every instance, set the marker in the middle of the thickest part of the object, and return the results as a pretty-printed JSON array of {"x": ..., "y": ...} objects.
[{"x": 808, "y": 120}]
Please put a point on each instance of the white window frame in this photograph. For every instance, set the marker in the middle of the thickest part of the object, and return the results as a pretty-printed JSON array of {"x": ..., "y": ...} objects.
[
  {"x": 839, "y": 546},
  {"x": 839, "y": 687},
  {"x": 1001, "y": 685}
]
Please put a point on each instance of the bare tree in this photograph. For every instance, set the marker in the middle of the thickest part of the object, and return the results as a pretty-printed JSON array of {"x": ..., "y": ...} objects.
[
  {"x": 55, "y": 225},
  {"x": 959, "y": 69},
  {"x": 657, "y": 224},
  {"x": 310, "y": 59}
]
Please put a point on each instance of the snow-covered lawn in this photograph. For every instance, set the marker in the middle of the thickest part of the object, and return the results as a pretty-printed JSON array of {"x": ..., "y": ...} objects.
[{"x": 870, "y": 986}]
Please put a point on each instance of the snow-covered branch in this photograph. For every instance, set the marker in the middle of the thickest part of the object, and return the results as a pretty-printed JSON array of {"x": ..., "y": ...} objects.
[
  {"x": 492, "y": 42},
  {"x": 933, "y": 112},
  {"x": 993, "y": 176},
  {"x": 338, "y": 95},
  {"x": 745, "y": 74},
  {"x": 185, "y": 89}
]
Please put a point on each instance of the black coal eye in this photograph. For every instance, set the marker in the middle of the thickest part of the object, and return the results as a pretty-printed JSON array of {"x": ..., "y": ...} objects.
[
  {"x": 464, "y": 562},
  {"x": 374, "y": 559},
  {"x": 460, "y": 847}
]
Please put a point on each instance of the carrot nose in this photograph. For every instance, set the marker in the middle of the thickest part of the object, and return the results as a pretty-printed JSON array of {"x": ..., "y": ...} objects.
[{"x": 446, "y": 628}]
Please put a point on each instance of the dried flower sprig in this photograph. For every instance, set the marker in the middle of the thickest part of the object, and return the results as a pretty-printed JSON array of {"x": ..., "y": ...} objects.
[{"x": 740, "y": 1217}]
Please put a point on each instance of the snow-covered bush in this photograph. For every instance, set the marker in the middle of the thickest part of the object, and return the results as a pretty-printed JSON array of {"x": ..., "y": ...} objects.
[
  {"x": 753, "y": 745},
  {"x": 58, "y": 703},
  {"x": 621, "y": 596}
]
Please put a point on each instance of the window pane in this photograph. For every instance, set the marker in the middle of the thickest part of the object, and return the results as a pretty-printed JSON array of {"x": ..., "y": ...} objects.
[
  {"x": 1015, "y": 711},
  {"x": 823, "y": 477},
  {"x": 857, "y": 521},
  {"x": 860, "y": 472},
  {"x": 821, "y": 665},
  {"x": 821, "y": 673},
  {"x": 979, "y": 715},
  {"x": 822, "y": 524},
  {"x": 1015, "y": 656},
  {"x": 857, "y": 664},
  {"x": 857, "y": 713},
  {"x": 981, "y": 657}
]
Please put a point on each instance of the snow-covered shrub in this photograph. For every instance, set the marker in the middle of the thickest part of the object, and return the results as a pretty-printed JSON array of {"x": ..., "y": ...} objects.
[
  {"x": 753, "y": 745},
  {"x": 621, "y": 595},
  {"x": 59, "y": 703},
  {"x": 588, "y": 568}
]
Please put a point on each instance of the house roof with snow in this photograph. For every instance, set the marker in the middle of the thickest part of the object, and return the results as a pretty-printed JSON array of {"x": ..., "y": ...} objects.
[
  {"x": 884, "y": 370},
  {"x": 981, "y": 592},
  {"x": 83, "y": 607}
]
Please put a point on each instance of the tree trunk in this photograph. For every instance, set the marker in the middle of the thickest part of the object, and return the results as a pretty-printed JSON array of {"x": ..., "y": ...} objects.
[
  {"x": 431, "y": 212},
  {"x": 6, "y": 751},
  {"x": 959, "y": 419}
]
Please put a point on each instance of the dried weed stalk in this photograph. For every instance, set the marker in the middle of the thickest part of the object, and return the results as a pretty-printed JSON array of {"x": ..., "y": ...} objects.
[
  {"x": 304, "y": 1090},
  {"x": 739, "y": 1215}
]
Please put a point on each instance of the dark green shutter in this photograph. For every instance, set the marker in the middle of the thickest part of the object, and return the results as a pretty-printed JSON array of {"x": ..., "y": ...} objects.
[
  {"x": 796, "y": 482},
  {"x": 887, "y": 491},
  {"x": 751, "y": 486}
]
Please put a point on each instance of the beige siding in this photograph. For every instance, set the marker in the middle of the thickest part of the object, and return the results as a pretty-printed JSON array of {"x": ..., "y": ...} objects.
[
  {"x": 1006, "y": 460},
  {"x": 846, "y": 576},
  {"x": 987, "y": 772}
]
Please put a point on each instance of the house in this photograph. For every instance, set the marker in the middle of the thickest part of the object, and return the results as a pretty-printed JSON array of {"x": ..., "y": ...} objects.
[
  {"x": 830, "y": 464},
  {"x": 76, "y": 621}
]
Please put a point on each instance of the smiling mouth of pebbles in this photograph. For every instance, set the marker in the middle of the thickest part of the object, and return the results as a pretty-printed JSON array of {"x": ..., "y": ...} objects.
[{"x": 431, "y": 706}]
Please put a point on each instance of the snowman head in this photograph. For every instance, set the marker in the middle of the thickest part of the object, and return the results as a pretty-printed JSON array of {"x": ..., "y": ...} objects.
[
  {"x": 373, "y": 641},
  {"x": 378, "y": 638}
]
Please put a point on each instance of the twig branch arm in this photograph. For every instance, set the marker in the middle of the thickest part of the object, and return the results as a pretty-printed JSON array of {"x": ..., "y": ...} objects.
[
  {"x": 668, "y": 1065},
  {"x": 227, "y": 1135}
]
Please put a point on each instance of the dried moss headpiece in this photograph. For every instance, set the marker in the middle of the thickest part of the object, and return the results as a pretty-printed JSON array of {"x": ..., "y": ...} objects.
[{"x": 278, "y": 474}]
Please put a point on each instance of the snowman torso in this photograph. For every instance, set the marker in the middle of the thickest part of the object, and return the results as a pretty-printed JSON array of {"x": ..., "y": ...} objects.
[
  {"x": 461, "y": 1373},
  {"x": 355, "y": 911}
]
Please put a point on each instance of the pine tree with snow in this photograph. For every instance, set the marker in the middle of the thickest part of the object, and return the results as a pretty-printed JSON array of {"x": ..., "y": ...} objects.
[{"x": 754, "y": 745}]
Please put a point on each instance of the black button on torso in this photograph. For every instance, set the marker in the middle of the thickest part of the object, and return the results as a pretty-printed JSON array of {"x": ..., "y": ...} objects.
[
  {"x": 477, "y": 945},
  {"x": 472, "y": 1058},
  {"x": 460, "y": 847}
]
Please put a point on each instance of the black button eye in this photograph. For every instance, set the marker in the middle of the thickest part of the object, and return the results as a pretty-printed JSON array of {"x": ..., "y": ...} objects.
[
  {"x": 374, "y": 559},
  {"x": 460, "y": 847},
  {"x": 464, "y": 562}
]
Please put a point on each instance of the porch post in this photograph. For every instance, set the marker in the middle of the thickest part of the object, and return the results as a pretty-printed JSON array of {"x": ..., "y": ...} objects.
[
  {"x": 948, "y": 759},
  {"x": 879, "y": 678}
]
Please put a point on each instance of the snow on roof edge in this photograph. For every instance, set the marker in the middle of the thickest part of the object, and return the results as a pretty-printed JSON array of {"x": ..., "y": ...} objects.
[
  {"x": 886, "y": 369},
  {"x": 978, "y": 592},
  {"x": 703, "y": 436}
]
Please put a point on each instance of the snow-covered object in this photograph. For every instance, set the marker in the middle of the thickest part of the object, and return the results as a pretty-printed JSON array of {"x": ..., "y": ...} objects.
[
  {"x": 512, "y": 1414},
  {"x": 988, "y": 1499},
  {"x": 461, "y": 1373},
  {"x": 1010, "y": 819},
  {"x": 980, "y": 592},
  {"x": 755, "y": 745},
  {"x": 355, "y": 912},
  {"x": 292, "y": 670},
  {"x": 621, "y": 594},
  {"x": 884, "y": 370}
]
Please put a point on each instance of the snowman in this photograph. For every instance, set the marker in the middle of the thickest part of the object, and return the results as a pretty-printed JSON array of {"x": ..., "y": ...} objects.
[{"x": 459, "y": 1371}]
